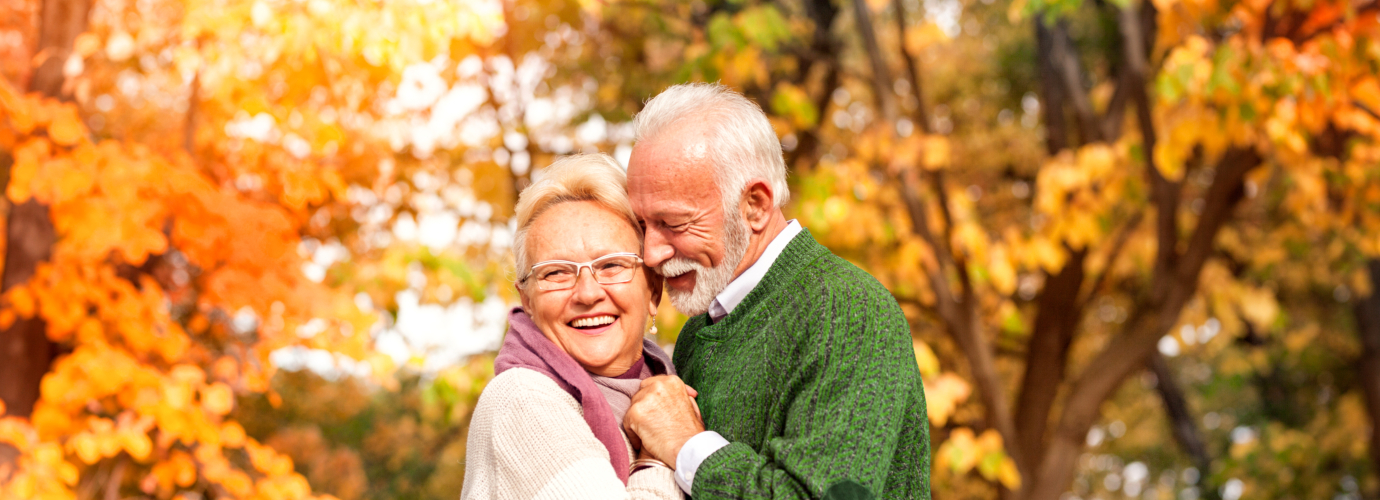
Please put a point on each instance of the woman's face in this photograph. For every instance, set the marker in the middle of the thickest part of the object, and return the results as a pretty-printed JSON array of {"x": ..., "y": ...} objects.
[{"x": 582, "y": 231}]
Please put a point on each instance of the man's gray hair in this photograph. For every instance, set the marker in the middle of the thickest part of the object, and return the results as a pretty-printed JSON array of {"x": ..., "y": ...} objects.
[{"x": 742, "y": 144}]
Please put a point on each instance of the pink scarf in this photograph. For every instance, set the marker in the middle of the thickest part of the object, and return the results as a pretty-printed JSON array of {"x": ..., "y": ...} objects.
[{"x": 525, "y": 347}]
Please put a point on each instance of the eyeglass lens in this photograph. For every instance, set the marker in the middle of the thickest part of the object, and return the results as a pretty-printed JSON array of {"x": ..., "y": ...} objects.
[{"x": 606, "y": 270}]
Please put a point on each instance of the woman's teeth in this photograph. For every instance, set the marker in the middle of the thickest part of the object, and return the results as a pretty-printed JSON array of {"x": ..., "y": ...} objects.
[{"x": 592, "y": 321}]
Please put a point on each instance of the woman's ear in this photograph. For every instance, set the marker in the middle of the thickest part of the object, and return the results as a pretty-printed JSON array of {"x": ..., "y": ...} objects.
[{"x": 526, "y": 303}]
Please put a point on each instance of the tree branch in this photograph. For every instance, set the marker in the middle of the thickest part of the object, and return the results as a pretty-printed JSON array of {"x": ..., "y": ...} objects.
[
  {"x": 1367, "y": 312},
  {"x": 961, "y": 315},
  {"x": 1118, "y": 244},
  {"x": 922, "y": 115},
  {"x": 881, "y": 75},
  {"x": 1070, "y": 71},
  {"x": 1052, "y": 97},
  {"x": 823, "y": 13},
  {"x": 1181, "y": 421},
  {"x": 1164, "y": 193}
]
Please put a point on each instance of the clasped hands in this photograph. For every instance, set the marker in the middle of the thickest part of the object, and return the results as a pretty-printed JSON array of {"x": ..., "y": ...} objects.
[{"x": 662, "y": 417}]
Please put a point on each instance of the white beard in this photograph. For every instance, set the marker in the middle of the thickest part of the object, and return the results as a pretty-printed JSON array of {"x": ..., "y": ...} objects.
[{"x": 709, "y": 281}]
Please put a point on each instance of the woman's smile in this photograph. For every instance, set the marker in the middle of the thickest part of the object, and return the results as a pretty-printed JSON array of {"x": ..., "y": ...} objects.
[{"x": 593, "y": 324}]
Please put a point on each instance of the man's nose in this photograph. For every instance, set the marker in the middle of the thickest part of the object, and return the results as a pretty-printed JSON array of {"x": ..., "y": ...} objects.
[{"x": 656, "y": 248}]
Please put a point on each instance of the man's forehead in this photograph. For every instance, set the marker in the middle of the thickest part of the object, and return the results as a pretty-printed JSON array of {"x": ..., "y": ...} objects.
[{"x": 669, "y": 158}]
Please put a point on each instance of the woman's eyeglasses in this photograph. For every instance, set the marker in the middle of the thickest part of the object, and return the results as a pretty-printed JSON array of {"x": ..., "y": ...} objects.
[{"x": 607, "y": 270}]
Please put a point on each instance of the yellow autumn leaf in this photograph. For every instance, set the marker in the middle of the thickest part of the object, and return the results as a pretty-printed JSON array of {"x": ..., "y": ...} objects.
[
  {"x": 1259, "y": 307},
  {"x": 136, "y": 443},
  {"x": 1008, "y": 475},
  {"x": 943, "y": 394},
  {"x": 1001, "y": 272},
  {"x": 176, "y": 396},
  {"x": 924, "y": 36},
  {"x": 232, "y": 435},
  {"x": 86, "y": 447},
  {"x": 217, "y": 399},
  {"x": 936, "y": 152},
  {"x": 960, "y": 451},
  {"x": 924, "y": 357}
]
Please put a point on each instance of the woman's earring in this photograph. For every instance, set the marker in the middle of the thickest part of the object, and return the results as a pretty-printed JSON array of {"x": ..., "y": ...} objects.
[{"x": 653, "y": 325}]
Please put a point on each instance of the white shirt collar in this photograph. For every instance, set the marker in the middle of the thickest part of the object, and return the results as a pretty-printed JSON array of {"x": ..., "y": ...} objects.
[{"x": 738, "y": 289}]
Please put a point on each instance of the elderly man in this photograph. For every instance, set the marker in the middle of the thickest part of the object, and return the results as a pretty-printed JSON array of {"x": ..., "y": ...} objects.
[{"x": 803, "y": 363}]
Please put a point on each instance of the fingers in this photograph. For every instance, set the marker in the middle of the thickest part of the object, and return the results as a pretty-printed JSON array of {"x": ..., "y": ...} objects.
[
  {"x": 661, "y": 380},
  {"x": 691, "y": 391},
  {"x": 633, "y": 438}
]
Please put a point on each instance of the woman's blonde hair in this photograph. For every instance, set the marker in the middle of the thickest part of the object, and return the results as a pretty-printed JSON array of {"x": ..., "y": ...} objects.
[{"x": 592, "y": 177}]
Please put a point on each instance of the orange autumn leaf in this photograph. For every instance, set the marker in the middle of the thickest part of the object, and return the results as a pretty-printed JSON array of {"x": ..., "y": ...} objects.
[
  {"x": 66, "y": 128},
  {"x": 21, "y": 300}
]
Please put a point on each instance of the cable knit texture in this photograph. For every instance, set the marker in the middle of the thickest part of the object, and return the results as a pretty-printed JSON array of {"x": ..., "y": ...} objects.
[
  {"x": 524, "y": 346},
  {"x": 529, "y": 440},
  {"x": 813, "y": 381}
]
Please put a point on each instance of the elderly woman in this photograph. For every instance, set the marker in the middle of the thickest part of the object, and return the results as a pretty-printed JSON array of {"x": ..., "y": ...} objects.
[{"x": 549, "y": 425}]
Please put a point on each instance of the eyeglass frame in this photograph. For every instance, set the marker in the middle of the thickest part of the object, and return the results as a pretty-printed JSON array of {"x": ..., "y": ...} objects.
[{"x": 580, "y": 266}]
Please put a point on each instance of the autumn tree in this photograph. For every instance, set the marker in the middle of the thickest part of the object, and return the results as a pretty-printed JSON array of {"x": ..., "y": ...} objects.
[
  {"x": 182, "y": 155},
  {"x": 1161, "y": 123},
  {"x": 1082, "y": 207}
]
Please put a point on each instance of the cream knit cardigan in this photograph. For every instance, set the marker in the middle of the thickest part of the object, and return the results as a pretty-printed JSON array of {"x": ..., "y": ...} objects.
[{"x": 529, "y": 440}]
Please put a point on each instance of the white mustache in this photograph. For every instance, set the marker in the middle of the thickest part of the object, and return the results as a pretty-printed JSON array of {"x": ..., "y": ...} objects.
[{"x": 677, "y": 266}]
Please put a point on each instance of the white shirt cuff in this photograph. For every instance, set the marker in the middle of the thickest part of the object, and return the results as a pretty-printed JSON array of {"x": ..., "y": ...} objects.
[{"x": 693, "y": 453}]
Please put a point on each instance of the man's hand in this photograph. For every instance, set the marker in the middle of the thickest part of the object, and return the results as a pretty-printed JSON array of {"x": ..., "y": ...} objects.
[{"x": 662, "y": 417}]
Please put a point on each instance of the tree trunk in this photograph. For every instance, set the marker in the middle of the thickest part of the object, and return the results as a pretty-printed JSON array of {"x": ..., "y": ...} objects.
[
  {"x": 1056, "y": 320},
  {"x": 1151, "y": 319},
  {"x": 1368, "y": 328},
  {"x": 25, "y": 351}
]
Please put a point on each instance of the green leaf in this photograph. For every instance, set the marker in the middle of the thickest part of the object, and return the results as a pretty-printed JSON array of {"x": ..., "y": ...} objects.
[
  {"x": 1013, "y": 323},
  {"x": 990, "y": 464},
  {"x": 1167, "y": 89},
  {"x": 763, "y": 26},
  {"x": 1248, "y": 112},
  {"x": 723, "y": 34},
  {"x": 792, "y": 102}
]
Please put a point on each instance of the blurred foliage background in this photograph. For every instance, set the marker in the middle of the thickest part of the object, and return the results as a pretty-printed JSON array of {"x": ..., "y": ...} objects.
[{"x": 260, "y": 248}]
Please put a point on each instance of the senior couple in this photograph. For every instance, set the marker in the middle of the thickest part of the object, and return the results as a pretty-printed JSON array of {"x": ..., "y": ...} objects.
[{"x": 795, "y": 377}]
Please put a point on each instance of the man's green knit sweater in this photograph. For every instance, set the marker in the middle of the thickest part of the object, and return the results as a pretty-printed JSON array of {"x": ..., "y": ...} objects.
[{"x": 812, "y": 379}]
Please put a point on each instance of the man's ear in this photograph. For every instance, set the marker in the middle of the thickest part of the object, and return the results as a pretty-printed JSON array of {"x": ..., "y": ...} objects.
[
  {"x": 758, "y": 204},
  {"x": 656, "y": 284}
]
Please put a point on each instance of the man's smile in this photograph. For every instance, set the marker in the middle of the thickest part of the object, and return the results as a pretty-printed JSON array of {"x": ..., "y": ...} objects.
[{"x": 684, "y": 282}]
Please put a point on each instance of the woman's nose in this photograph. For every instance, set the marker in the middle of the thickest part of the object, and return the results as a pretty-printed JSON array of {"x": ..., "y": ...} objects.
[{"x": 587, "y": 289}]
